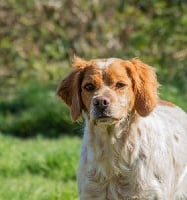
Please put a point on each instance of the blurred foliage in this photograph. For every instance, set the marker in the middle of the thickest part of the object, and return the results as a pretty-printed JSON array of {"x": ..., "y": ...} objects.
[
  {"x": 38, "y": 38},
  {"x": 51, "y": 31},
  {"x": 33, "y": 110}
]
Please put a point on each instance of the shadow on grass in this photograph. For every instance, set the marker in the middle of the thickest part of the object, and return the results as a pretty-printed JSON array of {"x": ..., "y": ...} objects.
[{"x": 34, "y": 109}]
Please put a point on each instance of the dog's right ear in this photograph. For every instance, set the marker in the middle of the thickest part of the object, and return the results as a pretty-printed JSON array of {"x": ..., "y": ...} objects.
[{"x": 69, "y": 88}]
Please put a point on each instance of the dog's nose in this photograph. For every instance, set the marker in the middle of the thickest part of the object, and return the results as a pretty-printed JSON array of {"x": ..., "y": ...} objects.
[{"x": 101, "y": 102}]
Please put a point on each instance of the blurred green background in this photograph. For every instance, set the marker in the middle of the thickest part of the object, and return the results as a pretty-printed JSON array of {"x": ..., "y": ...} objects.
[{"x": 37, "y": 41}]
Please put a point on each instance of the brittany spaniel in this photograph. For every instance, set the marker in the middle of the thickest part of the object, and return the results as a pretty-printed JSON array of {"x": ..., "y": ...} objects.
[{"x": 134, "y": 145}]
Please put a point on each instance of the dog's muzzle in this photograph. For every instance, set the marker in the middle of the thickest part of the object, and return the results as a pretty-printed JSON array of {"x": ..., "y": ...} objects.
[{"x": 101, "y": 108}]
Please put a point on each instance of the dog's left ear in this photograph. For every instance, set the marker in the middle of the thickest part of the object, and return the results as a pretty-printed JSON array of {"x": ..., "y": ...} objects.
[
  {"x": 69, "y": 88},
  {"x": 69, "y": 92},
  {"x": 145, "y": 86}
]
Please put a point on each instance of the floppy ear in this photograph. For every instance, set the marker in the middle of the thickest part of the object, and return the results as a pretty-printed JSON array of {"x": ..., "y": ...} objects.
[
  {"x": 70, "y": 88},
  {"x": 145, "y": 86},
  {"x": 69, "y": 91}
]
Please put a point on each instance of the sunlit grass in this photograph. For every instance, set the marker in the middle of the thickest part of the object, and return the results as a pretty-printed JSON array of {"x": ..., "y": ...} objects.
[{"x": 38, "y": 169}]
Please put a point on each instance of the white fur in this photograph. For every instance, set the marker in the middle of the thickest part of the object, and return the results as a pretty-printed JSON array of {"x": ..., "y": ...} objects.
[
  {"x": 105, "y": 63},
  {"x": 146, "y": 160}
]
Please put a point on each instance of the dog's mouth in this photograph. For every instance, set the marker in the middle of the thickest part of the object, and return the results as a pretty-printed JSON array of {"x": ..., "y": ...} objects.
[
  {"x": 104, "y": 116},
  {"x": 105, "y": 119}
]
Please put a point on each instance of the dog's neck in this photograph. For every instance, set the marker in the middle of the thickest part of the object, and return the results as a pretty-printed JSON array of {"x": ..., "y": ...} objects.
[
  {"x": 106, "y": 143},
  {"x": 116, "y": 130}
]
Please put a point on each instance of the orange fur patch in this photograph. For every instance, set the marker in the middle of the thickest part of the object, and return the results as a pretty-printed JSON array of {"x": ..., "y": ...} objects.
[{"x": 166, "y": 103}]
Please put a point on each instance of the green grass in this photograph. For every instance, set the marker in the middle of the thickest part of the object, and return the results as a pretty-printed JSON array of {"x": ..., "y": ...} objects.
[
  {"x": 174, "y": 95},
  {"x": 38, "y": 169}
]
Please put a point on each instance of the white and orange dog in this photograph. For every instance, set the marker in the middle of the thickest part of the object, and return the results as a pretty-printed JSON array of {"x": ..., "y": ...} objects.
[{"x": 134, "y": 145}]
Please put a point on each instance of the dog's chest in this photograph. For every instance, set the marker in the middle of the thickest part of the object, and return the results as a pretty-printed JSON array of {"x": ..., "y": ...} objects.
[
  {"x": 117, "y": 187},
  {"x": 115, "y": 170},
  {"x": 110, "y": 174}
]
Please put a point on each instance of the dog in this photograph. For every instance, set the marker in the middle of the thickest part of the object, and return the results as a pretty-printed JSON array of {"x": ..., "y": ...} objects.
[{"x": 134, "y": 144}]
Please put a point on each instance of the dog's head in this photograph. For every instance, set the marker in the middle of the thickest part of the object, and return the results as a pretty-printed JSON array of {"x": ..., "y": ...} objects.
[{"x": 109, "y": 89}]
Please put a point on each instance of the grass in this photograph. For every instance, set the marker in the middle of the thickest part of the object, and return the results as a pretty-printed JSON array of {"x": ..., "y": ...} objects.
[
  {"x": 38, "y": 169},
  {"x": 174, "y": 95}
]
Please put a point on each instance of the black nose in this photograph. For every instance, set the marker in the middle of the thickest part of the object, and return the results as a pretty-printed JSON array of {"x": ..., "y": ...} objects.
[{"x": 101, "y": 102}]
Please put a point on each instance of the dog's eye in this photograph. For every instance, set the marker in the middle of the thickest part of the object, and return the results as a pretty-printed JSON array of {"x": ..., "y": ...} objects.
[
  {"x": 89, "y": 87},
  {"x": 120, "y": 85}
]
